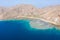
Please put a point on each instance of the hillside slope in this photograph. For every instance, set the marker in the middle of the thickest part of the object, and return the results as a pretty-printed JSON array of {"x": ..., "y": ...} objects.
[{"x": 48, "y": 14}]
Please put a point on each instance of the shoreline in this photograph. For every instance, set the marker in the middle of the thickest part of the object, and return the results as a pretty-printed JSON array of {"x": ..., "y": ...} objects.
[{"x": 29, "y": 19}]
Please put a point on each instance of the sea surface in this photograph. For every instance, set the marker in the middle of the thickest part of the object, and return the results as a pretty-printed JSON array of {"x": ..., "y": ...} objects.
[{"x": 22, "y": 30}]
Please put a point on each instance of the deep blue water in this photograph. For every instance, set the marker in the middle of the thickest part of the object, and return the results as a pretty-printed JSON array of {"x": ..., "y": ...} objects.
[{"x": 21, "y": 30}]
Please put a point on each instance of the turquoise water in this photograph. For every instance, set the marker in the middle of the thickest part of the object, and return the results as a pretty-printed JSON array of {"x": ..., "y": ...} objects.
[{"x": 21, "y": 30}]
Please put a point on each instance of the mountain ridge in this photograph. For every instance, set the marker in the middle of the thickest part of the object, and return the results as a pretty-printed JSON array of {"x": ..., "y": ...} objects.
[{"x": 50, "y": 14}]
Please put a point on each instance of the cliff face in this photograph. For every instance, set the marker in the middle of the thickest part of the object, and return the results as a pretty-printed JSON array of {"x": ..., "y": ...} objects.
[{"x": 49, "y": 14}]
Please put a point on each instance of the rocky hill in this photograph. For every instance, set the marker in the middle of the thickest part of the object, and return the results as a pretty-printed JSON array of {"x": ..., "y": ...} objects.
[
  {"x": 21, "y": 11},
  {"x": 52, "y": 14},
  {"x": 49, "y": 14}
]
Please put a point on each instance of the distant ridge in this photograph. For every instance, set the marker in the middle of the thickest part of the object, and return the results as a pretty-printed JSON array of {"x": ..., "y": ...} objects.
[{"x": 49, "y": 14}]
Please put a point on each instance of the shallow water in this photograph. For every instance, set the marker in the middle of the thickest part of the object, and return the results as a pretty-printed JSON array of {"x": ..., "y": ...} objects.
[{"x": 22, "y": 30}]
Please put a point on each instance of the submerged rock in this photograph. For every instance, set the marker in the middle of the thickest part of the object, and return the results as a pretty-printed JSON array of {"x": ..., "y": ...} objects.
[{"x": 39, "y": 24}]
